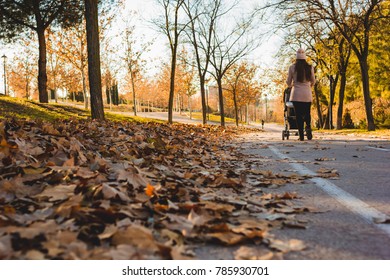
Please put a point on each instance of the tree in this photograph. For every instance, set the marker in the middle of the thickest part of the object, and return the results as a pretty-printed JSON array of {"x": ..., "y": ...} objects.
[
  {"x": 171, "y": 26},
  {"x": 37, "y": 15},
  {"x": 228, "y": 47},
  {"x": 133, "y": 58},
  {"x": 186, "y": 79},
  {"x": 24, "y": 69},
  {"x": 95, "y": 79},
  {"x": 72, "y": 49},
  {"x": 242, "y": 87},
  {"x": 202, "y": 17},
  {"x": 354, "y": 20}
]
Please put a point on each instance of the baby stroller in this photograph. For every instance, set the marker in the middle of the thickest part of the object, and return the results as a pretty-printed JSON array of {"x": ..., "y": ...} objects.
[{"x": 290, "y": 122}]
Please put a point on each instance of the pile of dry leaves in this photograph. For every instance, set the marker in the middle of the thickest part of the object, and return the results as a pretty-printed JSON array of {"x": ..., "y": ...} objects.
[{"x": 106, "y": 190}]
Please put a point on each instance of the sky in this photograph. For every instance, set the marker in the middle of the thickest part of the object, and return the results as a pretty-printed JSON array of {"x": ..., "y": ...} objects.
[{"x": 148, "y": 9}]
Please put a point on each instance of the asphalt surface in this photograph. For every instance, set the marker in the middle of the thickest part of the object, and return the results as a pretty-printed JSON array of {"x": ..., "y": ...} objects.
[
  {"x": 351, "y": 206},
  {"x": 350, "y": 209}
]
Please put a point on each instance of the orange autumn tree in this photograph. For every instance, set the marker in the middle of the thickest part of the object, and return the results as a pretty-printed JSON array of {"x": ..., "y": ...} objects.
[
  {"x": 163, "y": 85},
  {"x": 185, "y": 81},
  {"x": 23, "y": 70},
  {"x": 241, "y": 88}
]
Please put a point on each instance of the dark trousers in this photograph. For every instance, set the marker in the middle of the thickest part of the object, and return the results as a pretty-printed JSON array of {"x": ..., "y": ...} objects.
[{"x": 302, "y": 113}]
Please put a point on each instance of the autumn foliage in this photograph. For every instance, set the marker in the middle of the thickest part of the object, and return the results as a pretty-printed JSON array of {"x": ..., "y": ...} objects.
[{"x": 107, "y": 190}]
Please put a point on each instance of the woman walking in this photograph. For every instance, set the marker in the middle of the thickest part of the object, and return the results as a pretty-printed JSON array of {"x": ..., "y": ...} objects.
[{"x": 301, "y": 78}]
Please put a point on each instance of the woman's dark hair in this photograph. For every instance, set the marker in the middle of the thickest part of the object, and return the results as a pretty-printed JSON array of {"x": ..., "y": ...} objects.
[{"x": 303, "y": 70}]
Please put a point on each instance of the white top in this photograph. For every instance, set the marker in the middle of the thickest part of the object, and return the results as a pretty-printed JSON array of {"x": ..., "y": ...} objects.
[{"x": 300, "y": 91}]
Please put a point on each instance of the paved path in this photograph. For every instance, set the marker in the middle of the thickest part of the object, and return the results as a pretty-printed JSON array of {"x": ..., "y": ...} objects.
[{"x": 351, "y": 205}]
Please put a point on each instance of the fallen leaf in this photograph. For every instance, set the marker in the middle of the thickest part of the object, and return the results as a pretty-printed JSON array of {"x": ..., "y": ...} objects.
[
  {"x": 138, "y": 237},
  {"x": 287, "y": 246},
  {"x": 249, "y": 253},
  {"x": 108, "y": 232},
  {"x": 382, "y": 220},
  {"x": 149, "y": 190},
  {"x": 228, "y": 238},
  {"x": 324, "y": 159},
  {"x": 56, "y": 193},
  {"x": 34, "y": 255}
]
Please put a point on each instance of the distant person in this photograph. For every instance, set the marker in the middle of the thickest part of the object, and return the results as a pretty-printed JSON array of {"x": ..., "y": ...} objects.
[
  {"x": 262, "y": 124},
  {"x": 301, "y": 78}
]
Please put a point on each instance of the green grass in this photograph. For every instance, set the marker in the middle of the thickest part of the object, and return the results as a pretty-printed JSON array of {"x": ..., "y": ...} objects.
[
  {"x": 120, "y": 118},
  {"x": 212, "y": 117},
  {"x": 24, "y": 109}
]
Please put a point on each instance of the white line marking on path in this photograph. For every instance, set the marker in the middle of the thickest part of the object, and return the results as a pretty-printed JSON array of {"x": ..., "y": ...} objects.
[{"x": 357, "y": 206}]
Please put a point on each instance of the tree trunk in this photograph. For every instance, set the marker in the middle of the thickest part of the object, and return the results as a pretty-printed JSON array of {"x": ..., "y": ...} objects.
[
  {"x": 42, "y": 74},
  {"x": 330, "y": 105},
  {"x": 319, "y": 113},
  {"x": 84, "y": 90},
  {"x": 190, "y": 106},
  {"x": 340, "y": 109},
  {"x": 235, "y": 106},
  {"x": 366, "y": 93},
  {"x": 82, "y": 70},
  {"x": 133, "y": 89},
  {"x": 221, "y": 106},
  {"x": 27, "y": 87},
  {"x": 247, "y": 113},
  {"x": 203, "y": 99},
  {"x": 172, "y": 87},
  {"x": 95, "y": 79},
  {"x": 333, "y": 84}
]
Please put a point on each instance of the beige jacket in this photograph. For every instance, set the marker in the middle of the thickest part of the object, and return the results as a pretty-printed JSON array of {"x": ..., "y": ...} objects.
[{"x": 300, "y": 91}]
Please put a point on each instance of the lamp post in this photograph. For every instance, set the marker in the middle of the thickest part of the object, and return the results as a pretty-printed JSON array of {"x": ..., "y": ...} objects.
[{"x": 5, "y": 74}]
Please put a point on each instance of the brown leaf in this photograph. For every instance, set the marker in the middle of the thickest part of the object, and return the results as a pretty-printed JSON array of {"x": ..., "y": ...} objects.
[
  {"x": 172, "y": 237},
  {"x": 53, "y": 248},
  {"x": 33, "y": 230},
  {"x": 324, "y": 159},
  {"x": 132, "y": 177},
  {"x": 56, "y": 193},
  {"x": 249, "y": 253},
  {"x": 180, "y": 224},
  {"x": 219, "y": 207},
  {"x": 110, "y": 192},
  {"x": 66, "y": 208},
  {"x": 86, "y": 174},
  {"x": 228, "y": 238},
  {"x": 181, "y": 253},
  {"x": 49, "y": 129},
  {"x": 5, "y": 247},
  {"x": 287, "y": 246},
  {"x": 195, "y": 219},
  {"x": 34, "y": 255},
  {"x": 295, "y": 224},
  {"x": 122, "y": 252},
  {"x": 137, "y": 236},
  {"x": 328, "y": 173},
  {"x": 382, "y": 220},
  {"x": 108, "y": 232}
]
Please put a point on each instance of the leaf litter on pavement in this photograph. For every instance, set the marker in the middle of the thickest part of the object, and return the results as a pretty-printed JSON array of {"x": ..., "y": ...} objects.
[{"x": 107, "y": 190}]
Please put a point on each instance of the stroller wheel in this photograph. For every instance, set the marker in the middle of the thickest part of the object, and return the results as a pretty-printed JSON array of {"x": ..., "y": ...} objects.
[
  {"x": 283, "y": 135},
  {"x": 287, "y": 134}
]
